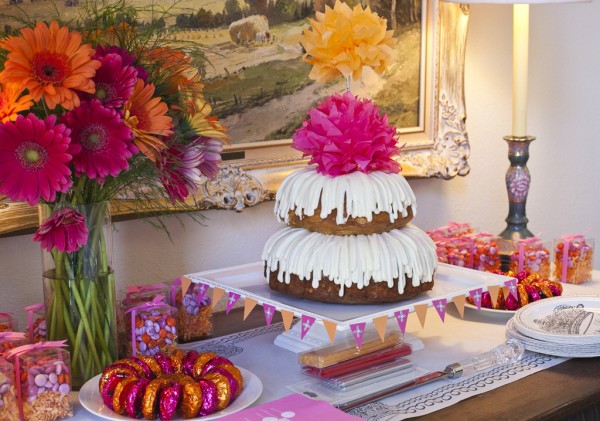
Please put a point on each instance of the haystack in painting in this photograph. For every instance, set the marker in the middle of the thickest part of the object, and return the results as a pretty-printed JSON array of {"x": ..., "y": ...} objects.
[{"x": 245, "y": 30}]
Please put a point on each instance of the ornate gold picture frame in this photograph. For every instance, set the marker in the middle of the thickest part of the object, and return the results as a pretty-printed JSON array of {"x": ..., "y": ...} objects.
[{"x": 254, "y": 171}]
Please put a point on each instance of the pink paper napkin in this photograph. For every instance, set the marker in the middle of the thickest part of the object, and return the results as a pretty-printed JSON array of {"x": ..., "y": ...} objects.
[{"x": 292, "y": 408}]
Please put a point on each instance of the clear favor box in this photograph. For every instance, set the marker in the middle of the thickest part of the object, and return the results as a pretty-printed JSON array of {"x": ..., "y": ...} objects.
[
  {"x": 150, "y": 328},
  {"x": 486, "y": 252},
  {"x": 456, "y": 251},
  {"x": 8, "y": 323},
  {"x": 194, "y": 312},
  {"x": 43, "y": 376},
  {"x": 10, "y": 340},
  {"x": 36, "y": 323},
  {"x": 573, "y": 259},
  {"x": 9, "y": 408},
  {"x": 531, "y": 255}
]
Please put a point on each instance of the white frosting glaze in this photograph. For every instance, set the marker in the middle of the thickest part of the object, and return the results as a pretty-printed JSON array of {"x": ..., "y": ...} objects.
[
  {"x": 352, "y": 259},
  {"x": 362, "y": 195}
]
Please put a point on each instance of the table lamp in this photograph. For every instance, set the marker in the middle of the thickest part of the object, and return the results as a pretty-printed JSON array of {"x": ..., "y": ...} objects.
[{"x": 517, "y": 176}]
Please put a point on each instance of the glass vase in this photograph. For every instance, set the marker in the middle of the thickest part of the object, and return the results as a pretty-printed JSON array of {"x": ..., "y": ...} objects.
[{"x": 79, "y": 294}]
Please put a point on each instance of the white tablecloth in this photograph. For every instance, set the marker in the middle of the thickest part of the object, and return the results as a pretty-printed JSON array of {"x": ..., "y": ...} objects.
[{"x": 454, "y": 340}]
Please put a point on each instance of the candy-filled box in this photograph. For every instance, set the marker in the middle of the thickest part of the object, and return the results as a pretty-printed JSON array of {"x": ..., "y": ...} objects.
[
  {"x": 36, "y": 323},
  {"x": 452, "y": 230},
  {"x": 9, "y": 408},
  {"x": 150, "y": 328},
  {"x": 573, "y": 259},
  {"x": 8, "y": 323},
  {"x": 456, "y": 251},
  {"x": 10, "y": 340},
  {"x": 42, "y": 378},
  {"x": 531, "y": 255},
  {"x": 194, "y": 314}
]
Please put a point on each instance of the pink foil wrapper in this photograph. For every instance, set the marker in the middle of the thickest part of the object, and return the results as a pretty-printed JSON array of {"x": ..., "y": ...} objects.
[
  {"x": 188, "y": 362},
  {"x": 214, "y": 363},
  {"x": 209, "y": 398},
  {"x": 169, "y": 399},
  {"x": 133, "y": 400},
  {"x": 232, "y": 381},
  {"x": 164, "y": 362}
]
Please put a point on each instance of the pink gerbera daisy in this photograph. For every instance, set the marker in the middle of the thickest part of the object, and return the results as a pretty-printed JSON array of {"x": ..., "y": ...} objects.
[
  {"x": 114, "y": 81},
  {"x": 65, "y": 229},
  {"x": 34, "y": 159},
  {"x": 182, "y": 167},
  {"x": 105, "y": 143},
  {"x": 128, "y": 58}
]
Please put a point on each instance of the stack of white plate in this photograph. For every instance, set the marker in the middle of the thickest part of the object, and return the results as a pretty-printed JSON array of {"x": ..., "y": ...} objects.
[{"x": 561, "y": 326}]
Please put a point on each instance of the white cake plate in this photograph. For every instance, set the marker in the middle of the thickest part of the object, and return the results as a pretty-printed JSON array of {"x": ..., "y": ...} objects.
[{"x": 249, "y": 281}]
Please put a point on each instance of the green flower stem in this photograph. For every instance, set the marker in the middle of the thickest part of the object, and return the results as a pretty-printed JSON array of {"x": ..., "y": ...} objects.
[{"x": 86, "y": 325}]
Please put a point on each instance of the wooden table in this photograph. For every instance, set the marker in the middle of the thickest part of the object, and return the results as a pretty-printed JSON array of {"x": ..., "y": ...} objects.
[{"x": 570, "y": 390}]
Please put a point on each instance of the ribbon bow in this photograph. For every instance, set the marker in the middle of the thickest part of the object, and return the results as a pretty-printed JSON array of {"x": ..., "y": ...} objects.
[
  {"x": 136, "y": 289},
  {"x": 30, "y": 310},
  {"x": 12, "y": 336},
  {"x": 156, "y": 302}
]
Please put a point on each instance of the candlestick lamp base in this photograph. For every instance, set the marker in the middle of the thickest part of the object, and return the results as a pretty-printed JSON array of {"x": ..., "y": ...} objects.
[{"x": 517, "y": 185}]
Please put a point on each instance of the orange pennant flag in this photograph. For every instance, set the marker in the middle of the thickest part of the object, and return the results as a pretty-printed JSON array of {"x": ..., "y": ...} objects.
[
  {"x": 331, "y": 329},
  {"x": 217, "y": 294},
  {"x": 506, "y": 291},
  {"x": 459, "y": 302},
  {"x": 381, "y": 325},
  {"x": 494, "y": 290},
  {"x": 421, "y": 310},
  {"x": 185, "y": 285},
  {"x": 287, "y": 317},
  {"x": 249, "y": 306}
]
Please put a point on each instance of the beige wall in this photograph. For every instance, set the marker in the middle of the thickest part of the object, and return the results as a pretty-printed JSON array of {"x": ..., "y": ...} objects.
[{"x": 564, "y": 114}]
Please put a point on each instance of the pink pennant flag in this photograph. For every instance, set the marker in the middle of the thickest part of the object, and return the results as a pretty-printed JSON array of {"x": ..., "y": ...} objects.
[
  {"x": 269, "y": 312},
  {"x": 202, "y": 290},
  {"x": 232, "y": 298},
  {"x": 358, "y": 330},
  {"x": 307, "y": 323},
  {"x": 476, "y": 296},
  {"x": 401, "y": 317},
  {"x": 512, "y": 287},
  {"x": 440, "y": 307}
]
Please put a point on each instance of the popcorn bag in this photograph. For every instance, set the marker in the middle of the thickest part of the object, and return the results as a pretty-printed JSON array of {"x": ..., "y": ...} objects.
[
  {"x": 42, "y": 381},
  {"x": 8, "y": 322},
  {"x": 531, "y": 255},
  {"x": 9, "y": 409},
  {"x": 152, "y": 327},
  {"x": 10, "y": 340},
  {"x": 573, "y": 259},
  {"x": 36, "y": 323},
  {"x": 194, "y": 312}
]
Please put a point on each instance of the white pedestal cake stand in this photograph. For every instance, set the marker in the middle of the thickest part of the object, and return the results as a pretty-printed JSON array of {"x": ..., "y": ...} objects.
[{"x": 249, "y": 281}]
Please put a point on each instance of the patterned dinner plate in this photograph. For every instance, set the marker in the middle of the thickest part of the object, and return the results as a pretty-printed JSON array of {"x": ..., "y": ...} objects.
[{"x": 571, "y": 320}]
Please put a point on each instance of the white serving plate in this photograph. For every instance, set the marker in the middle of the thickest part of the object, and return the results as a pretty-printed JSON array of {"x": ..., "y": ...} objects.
[
  {"x": 571, "y": 320},
  {"x": 491, "y": 312},
  {"x": 90, "y": 399},
  {"x": 249, "y": 281}
]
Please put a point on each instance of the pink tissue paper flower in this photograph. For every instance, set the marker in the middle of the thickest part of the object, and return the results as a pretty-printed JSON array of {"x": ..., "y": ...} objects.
[
  {"x": 65, "y": 229},
  {"x": 182, "y": 167},
  {"x": 344, "y": 134},
  {"x": 104, "y": 141},
  {"x": 34, "y": 159}
]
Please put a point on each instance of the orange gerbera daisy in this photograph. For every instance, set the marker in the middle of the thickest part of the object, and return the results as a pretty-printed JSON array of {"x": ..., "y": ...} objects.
[
  {"x": 51, "y": 63},
  {"x": 147, "y": 117},
  {"x": 176, "y": 64},
  {"x": 11, "y": 104}
]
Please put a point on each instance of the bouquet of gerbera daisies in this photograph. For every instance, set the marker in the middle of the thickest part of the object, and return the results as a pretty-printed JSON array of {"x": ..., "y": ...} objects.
[{"x": 89, "y": 111}]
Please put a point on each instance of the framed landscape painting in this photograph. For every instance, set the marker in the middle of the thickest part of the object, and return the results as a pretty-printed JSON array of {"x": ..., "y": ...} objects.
[{"x": 257, "y": 84}]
